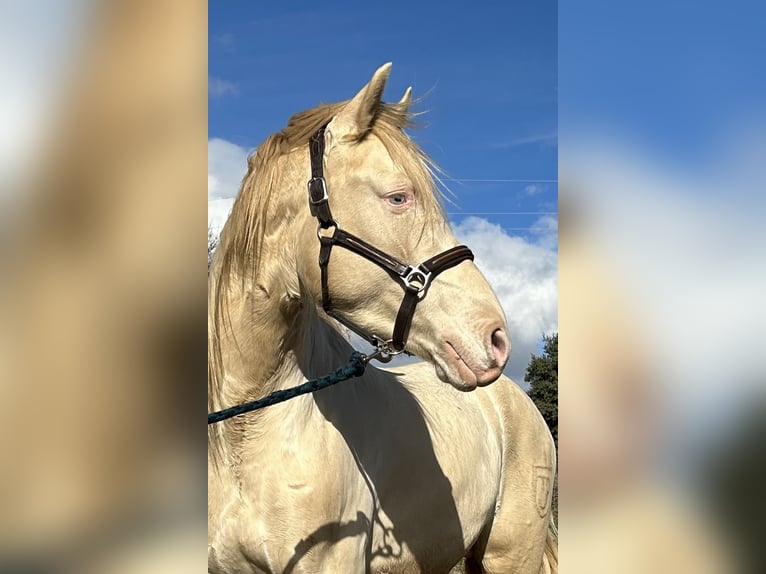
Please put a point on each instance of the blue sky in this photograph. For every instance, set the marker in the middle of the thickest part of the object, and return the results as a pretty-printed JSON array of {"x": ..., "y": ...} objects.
[
  {"x": 489, "y": 75},
  {"x": 675, "y": 77}
]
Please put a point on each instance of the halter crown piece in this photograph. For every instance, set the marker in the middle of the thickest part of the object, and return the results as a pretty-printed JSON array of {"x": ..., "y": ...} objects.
[{"x": 414, "y": 279}]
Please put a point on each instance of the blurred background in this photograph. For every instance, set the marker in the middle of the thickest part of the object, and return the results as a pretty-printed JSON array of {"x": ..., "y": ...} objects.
[
  {"x": 661, "y": 280},
  {"x": 102, "y": 301}
]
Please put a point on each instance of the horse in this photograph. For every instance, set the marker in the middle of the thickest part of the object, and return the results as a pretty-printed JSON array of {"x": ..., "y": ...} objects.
[{"x": 405, "y": 469}]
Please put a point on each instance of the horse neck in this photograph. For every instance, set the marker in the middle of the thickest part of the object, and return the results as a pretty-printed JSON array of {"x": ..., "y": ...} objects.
[
  {"x": 321, "y": 348},
  {"x": 272, "y": 340},
  {"x": 277, "y": 348}
]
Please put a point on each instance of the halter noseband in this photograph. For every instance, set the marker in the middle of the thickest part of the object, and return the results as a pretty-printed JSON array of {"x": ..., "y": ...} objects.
[{"x": 415, "y": 279}]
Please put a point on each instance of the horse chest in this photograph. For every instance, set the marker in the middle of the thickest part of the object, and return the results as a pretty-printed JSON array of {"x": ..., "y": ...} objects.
[{"x": 295, "y": 499}]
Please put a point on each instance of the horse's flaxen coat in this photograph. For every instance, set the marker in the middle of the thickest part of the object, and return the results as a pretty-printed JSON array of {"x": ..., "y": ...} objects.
[{"x": 401, "y": 470}]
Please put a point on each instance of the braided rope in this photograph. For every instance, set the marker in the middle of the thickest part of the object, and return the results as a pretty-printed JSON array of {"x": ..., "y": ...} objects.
[{"x": 355, "y": 368}]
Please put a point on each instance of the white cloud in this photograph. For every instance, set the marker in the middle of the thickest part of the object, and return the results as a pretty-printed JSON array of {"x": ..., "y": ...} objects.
[
  {"x": 524, "y": 276},
  {"x": 217, "y": 213},
  {"x": 543, "y": 139},
  {"x": 217, "y": 87},
  {"x": 546, "y": 228},
  {"x": 534, "y": 189},
  {"x": 227, "y": 165},
  {"x": 225, "y": 40}
]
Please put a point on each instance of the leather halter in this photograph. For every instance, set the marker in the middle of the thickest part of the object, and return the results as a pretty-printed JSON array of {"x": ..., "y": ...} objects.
[{"x": 414, "y": 279}]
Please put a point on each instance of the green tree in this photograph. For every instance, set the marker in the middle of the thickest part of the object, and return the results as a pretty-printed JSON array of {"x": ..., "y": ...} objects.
[{"x": 543, "y": 376}]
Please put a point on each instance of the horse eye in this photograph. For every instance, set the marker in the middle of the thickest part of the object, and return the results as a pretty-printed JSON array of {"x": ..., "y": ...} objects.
[{"x": 398, "y": 199}]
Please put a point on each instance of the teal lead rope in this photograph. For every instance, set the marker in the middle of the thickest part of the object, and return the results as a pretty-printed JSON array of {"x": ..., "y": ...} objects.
[{"x": 355, "y": 367}]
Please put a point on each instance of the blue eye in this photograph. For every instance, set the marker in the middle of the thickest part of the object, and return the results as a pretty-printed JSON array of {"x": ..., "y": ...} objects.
[{"x": 398, "y": 199}]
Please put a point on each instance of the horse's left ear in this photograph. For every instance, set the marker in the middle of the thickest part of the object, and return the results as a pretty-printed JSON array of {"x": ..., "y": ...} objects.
[{"x": 356, "y": 119}]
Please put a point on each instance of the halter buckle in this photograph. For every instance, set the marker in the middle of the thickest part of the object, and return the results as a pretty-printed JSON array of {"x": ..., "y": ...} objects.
[
  {"x": 317, "y": 187},
  {"x": 417, "y": 279}
]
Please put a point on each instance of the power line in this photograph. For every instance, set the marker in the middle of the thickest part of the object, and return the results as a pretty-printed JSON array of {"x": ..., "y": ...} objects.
[
  {"x": 521, "y": 229},
  {"x": 461, "y": 180},
  {"x": 503, "y": 213}
]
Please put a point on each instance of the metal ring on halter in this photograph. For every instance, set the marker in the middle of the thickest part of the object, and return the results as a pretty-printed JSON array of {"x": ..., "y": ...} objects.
[
  {"x": 332, "y": 224},
  {"x": 384, "y": 350}
]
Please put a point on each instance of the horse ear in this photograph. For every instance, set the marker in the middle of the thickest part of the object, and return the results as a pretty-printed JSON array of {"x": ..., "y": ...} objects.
[
  {"x": 357, "y": 117},
  {"x": 406, "y": 100}
]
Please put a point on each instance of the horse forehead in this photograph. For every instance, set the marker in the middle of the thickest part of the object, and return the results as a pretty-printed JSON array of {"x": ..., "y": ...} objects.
[{"x": 372, "y": 155}]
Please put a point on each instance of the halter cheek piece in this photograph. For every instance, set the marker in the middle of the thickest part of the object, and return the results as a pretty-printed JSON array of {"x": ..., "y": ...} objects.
[{"x": 414, "y": 279}]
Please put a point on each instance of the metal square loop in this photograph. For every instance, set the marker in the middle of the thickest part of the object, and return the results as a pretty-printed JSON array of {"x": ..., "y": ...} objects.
[{"x": 417, "y": 279}]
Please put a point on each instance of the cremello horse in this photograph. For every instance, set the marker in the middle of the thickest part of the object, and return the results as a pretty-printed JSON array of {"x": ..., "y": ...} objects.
[{"x": 402, "y": 470}]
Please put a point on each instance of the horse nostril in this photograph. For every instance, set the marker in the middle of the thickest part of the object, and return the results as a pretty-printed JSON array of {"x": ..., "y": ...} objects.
[{"x": 500, "y": 347}]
